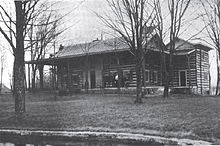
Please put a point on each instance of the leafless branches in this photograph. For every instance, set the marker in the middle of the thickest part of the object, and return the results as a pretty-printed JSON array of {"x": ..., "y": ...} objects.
[
  {"x": 132, "y": 20},
  {"x": 2, "y": 65},
  {"x": 211, "y": 18},
  {"x": 176, "y": 12}
]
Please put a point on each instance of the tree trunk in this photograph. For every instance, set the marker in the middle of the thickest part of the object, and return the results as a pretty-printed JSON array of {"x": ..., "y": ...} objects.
[
  {"x": 33, "y": 78},
  {"x": 217, "y": 62},
  {"x": 41, "y": 73},
  {"x": 138, "y": 75},
  {"x": 1, "y": 77},
  {"x": 29, "y": 78},
  {"x": 144, "y": 75},
  {"x": 169, "y": 73},
  {"x": 25, "y": 81},
  {"x": 165, "y": 77},
  {"x": 19, "y": 88},
  {"x": 217, "y": 86},
  {"x": 166, "y": 88},
  {"x": 164, "y": 73},
  {"x": 169, "y": 79},
  {"x": 138, "y": 89}
]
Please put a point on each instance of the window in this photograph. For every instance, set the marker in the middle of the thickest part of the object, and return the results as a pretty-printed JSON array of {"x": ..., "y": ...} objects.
[
  {"x": 182, "y": 78},
  {"x": 155, "y": 76},
  {"x": 109, "y": 79},
  {"x": 75, "y": 79},
  {"x": 126, "y": 75},
  {"x": 147, "y": 76},
  {"x": 126, "y": 78}
]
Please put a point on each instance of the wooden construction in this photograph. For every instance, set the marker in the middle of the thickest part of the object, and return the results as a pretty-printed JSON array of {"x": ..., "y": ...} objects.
[
  {"x": 191, "y": 68},
  {"x": 102, "y": 62},
  {"x": 104, "y": 67}
]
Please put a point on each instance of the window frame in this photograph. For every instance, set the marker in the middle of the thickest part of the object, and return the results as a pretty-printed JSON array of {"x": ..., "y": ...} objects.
[
  {"x": 156, "y": 75},
  {"x": 147, "y": 77}
]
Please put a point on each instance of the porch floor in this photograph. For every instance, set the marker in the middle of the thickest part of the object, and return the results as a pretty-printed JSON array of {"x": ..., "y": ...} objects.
[{"x": 123, "y": 90}]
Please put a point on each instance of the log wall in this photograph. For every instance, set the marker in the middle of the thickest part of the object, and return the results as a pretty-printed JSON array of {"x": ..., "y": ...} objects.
[
  {"x": 185, "y": 63},
  {"x": 202, "y": 67},
  {"x": 106, "y": 65}
]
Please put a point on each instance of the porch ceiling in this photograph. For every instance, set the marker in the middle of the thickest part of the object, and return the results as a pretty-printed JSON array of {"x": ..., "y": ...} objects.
[
  {"x": 184, "y": 52},
  {"x": 46, "y": 61}
]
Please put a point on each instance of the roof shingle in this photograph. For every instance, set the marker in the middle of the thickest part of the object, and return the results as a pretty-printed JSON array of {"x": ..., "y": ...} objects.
[{"x": 95, "y": 47}]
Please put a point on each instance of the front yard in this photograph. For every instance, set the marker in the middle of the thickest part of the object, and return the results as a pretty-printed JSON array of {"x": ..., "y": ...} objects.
[{"x": 178, "y": 116}]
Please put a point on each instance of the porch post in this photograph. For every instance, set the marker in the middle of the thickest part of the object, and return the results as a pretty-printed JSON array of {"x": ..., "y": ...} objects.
[
  {"x": 102, "y": 70},
  {"x": 68, "y": 76},
  {"x": 58, "y": 76},
  {"x": 119, "y": 73},
  {"x": 29, "y": 78},
  {"x": 87, "y": 73}
]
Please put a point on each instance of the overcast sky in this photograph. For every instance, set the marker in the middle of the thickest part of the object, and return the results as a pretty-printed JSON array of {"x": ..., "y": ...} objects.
[{"x": 86, "y": 25}]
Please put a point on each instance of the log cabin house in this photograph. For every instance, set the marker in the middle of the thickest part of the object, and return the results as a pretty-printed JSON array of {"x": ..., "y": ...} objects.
[
  {"x": 102, "y": 62},
  {"x": 191, "y": 67}
]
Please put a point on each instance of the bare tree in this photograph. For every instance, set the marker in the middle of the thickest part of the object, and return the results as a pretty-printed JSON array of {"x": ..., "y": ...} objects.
[
  {"x": 161, "y": 39},
  {"x": 44, "y": 29},
  {"x": 130, "y": 18},
  {"x": 40, "y": 39},
  {"x": 176, "y": 12},
  {"x": 115, "y": 45},
  {"x": 211, "y": 18},
  {"x": 2, "y": 65},
  {"x": 15, "y": 34}
]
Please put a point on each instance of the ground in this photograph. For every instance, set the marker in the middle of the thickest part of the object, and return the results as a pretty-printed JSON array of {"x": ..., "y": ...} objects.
[{"x": 195, "y": 117}]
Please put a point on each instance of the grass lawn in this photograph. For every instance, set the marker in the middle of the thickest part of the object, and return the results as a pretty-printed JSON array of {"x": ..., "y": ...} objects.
[{"x": 178, "y": 116}]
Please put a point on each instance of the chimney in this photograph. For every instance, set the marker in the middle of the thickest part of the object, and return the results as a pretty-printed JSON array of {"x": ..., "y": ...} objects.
[
  {"x": 61, "y": 47},
  {"x": 101, "y": 37},
  {"x": 97, "y": 39}
]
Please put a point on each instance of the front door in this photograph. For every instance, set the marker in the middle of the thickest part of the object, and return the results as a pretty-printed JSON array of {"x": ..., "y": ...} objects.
[
  {"x": 182, "y": 78},
  {"x": 92, "y": 79}
]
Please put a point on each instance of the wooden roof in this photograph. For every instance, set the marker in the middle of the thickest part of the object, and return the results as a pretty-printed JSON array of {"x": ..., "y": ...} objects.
[
  {"x": 96, "y": 47},
  {"x": 91, "y": 48},
  {"x": 184, "y": 47},
  {"x": 113, "y": 45}
]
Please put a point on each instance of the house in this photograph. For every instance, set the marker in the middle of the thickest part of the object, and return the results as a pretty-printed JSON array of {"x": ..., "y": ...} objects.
[
  {"x": 191, "y": 67},
  {"x": 107, "y": 60},
  {"x": 104, "y": 61}
]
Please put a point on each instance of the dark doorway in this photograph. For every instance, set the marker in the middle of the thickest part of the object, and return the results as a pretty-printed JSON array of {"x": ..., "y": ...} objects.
[
  {"x": 92, "y": 79},
  {"x": 182, "y": 78}
]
